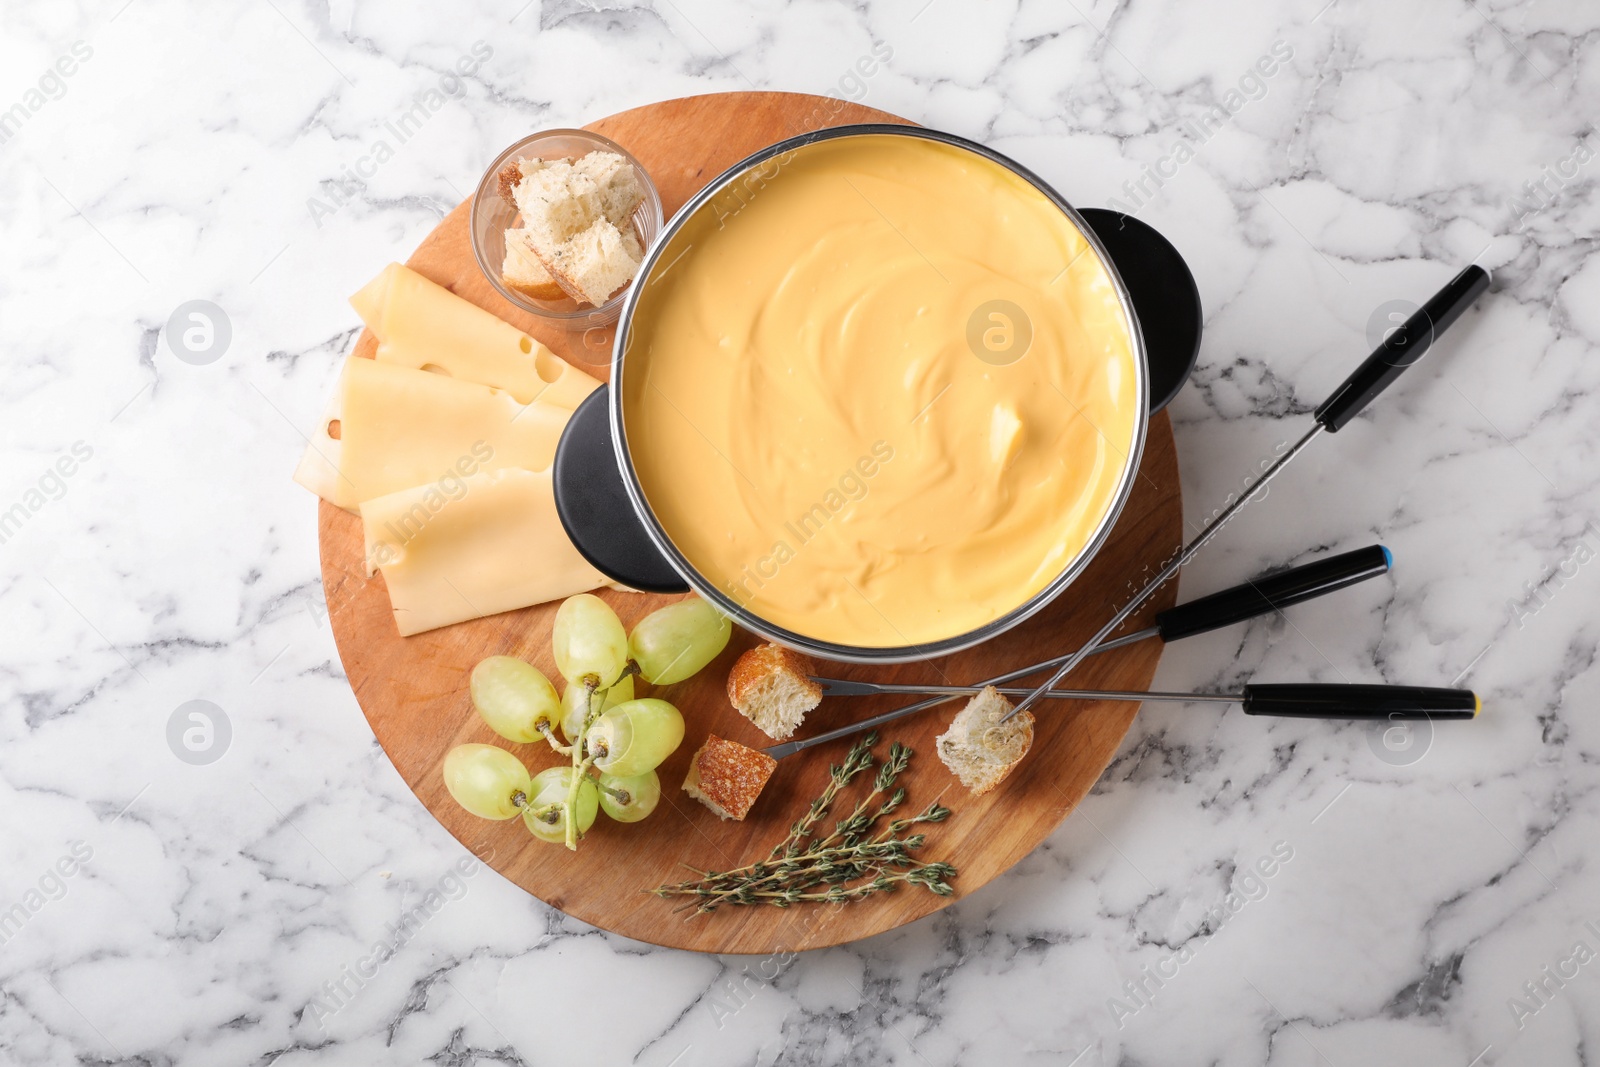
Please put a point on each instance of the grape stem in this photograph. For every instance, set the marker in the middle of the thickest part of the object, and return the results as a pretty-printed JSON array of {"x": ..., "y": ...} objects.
[
  {"x": 582, "y": 761},
  {"x": 540, "y": 813},
  {"x": 578, "y": 775},
  {"x": 549, "y": 735}
]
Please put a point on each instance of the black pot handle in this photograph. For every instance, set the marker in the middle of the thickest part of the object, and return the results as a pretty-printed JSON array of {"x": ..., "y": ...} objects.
[
  {"x": 595, "y": 508},
  {"x": 1165, "y": 298}
]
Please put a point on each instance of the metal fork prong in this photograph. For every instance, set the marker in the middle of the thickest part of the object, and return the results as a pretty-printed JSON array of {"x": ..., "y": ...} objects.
[{"x": 838, "y": 687}]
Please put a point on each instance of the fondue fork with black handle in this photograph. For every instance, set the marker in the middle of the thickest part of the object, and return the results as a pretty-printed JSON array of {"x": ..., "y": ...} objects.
[
  {"x": 1262, "y": 595},
  {"x": 1302, "y": 700},
  {"x": 1399, "y": 350}
]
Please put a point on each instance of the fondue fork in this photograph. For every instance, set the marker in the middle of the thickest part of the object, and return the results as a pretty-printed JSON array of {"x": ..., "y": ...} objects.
[
  {"x": 1399, "y": 350},
  {"x": 1305, "y": 700},
  {"x": 1261, "y": 595},
  {"x": 1301, "y": 700},
  {"x": 1257, "y": 596}
]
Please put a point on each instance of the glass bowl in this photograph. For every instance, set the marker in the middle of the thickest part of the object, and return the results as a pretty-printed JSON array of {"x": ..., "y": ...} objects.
[{"x": 492, "y": 216}]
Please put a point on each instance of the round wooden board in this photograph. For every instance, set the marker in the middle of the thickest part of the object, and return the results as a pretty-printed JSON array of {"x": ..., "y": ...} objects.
[{"x": 414, "y": 690}]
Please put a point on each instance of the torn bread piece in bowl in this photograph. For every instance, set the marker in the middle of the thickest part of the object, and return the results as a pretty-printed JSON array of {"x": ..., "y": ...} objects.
[{"x": 560, "y": 223}]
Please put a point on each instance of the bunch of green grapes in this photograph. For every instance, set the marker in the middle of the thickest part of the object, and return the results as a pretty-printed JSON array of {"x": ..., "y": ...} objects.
[{"x": 620, "y": 738}]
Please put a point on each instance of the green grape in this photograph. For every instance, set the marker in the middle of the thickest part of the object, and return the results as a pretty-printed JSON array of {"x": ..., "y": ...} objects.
[
  {"x": 640, "y": 794},
  {"x": 488, "y": 781},
  {"x": 514, "y": 697},
  {"x": 589, "y": 640},
  {"x": 634, "y": 737},
  {"x": 572, "y": 705},
  {"x": 675, "y": 642},
  {"x": 550, "y": 787}
]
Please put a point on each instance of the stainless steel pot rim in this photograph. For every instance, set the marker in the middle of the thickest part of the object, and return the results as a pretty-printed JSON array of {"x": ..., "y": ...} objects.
[{"x": 737, "y": 611}]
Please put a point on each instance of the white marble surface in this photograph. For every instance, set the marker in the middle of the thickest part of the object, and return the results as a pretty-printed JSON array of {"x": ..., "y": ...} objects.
[{"x": 219, "y": 904}]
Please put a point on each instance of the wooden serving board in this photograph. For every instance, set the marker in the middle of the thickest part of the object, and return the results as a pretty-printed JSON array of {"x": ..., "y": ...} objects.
[{"x": 414, "y": 690}]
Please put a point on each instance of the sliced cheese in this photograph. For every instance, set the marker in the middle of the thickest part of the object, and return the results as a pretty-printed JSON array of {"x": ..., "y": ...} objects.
[
  {"x": 392, "y": 428},
  {"x": 422, "y": 325},
  {"x": 319, "y": 463},
  {"x": 463, "y": 548}
]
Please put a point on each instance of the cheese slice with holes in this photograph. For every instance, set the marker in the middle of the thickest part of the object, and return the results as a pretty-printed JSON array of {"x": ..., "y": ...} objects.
[
  {"x": 425, "y": 326},
  {"x": 482, "y": 544},
  {"x": 392, "y": 428}
]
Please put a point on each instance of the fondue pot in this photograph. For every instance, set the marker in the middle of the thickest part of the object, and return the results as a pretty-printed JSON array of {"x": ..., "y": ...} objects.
[{"x": 608, "y": 518}]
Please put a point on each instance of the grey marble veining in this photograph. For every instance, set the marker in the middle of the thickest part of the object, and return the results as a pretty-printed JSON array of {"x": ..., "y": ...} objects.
[{"x": 1431, "y": 899}]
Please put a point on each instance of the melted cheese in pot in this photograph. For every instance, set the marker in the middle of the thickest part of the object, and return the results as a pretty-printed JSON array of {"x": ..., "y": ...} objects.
[{"x": 880, "y": 392}]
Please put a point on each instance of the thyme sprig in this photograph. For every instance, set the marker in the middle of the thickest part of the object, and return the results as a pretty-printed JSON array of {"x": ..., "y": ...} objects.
[
  {"x": 858, "y": 759},
  {"x": 850, "y": 863}
]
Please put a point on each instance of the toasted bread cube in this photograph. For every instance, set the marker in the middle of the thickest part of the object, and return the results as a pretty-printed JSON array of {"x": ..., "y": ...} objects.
[
  {"x": 772, "y": 687},
  {"x": 979, "y": 749},
  {"x": 727, "y": 777}
]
